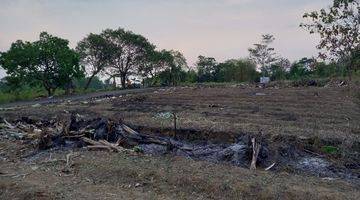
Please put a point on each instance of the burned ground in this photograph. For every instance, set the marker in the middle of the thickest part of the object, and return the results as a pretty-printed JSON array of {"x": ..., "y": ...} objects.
[{"x": 312, "y": 127}]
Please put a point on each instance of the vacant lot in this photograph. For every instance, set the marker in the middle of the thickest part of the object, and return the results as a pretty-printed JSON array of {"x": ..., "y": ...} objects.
[
  {"x": 309, "y": 118},
  {"x": 301, "y": 112}
]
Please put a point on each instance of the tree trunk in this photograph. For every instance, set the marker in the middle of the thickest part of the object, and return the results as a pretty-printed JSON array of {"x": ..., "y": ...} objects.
[
  {"x": 67, "y": 91},
  {"x": 349, "y": 72},
  {"x": 350, "y": 77},
  {"x": 114, "y": 82},
  {"x": 49, "y": 91},
  {"x": 68, "y": 87},
  {"x": 88, "y": 82},
  {"x": 123, "y": 81}
]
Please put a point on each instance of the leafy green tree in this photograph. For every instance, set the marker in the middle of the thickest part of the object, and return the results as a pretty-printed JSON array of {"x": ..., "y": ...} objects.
[
  {"x": 18, "y": 61},
  {"x": 174, "y": 73},
  {"x": 130, "y": 51},
  {"x": 95, "y": 53},
  {"x": 339, "y": 30},
  {"x": 190, "y": 76},
  {"x": 324, "y": 70},
  {"x": 236, "y": 70},
  {"x": 177, "y": 67},
  {"x": 95, "y": 84},
  {"x": 264, "y": 55},
  {"x": 301, "y": 69},
  {"x": 278, "y": 70},
  {"x": 156, "y": 62},
  {"x": 207, "y": 69},
  {"x": 48, "y": 61}
]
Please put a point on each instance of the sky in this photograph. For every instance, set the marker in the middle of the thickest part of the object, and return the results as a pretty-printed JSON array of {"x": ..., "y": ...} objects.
[{"x": 222, "y": 29}]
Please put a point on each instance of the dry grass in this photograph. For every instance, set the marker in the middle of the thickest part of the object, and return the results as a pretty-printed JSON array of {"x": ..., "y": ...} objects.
[
  {"x": 100, "y": 175},
  {"x": 316, "y": 113}
]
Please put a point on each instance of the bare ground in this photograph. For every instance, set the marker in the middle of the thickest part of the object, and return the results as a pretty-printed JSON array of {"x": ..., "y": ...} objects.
[{"x": 319, "y": 116}]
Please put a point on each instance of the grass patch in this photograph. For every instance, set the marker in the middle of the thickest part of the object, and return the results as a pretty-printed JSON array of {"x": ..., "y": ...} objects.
[
  {"x": 27, "y": 94},
  {"x": 33, "y": 93},
  {"x": 330, "y": 149}
]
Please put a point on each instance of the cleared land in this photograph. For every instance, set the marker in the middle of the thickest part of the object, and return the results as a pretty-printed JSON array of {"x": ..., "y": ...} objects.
[{"x": 309, "y": 118}]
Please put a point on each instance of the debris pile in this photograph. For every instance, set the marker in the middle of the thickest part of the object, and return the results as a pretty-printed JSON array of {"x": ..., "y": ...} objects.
[
  {"x": 115, "y": 136},
  {"x": 98, "y": 133}
]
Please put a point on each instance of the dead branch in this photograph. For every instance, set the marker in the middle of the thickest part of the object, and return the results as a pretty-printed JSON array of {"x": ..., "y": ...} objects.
[
  {"x": 268, "y": 168},
  {"x": 256, "y": 149},
  {"x": 90, "y": 141},
  {"x": 130, "y": 131},
  {"x": 9, "y": 125},
  {"x": 112, "y": 146}
]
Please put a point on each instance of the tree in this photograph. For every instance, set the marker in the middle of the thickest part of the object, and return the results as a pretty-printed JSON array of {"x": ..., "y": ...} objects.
[
  {"x": 130, "y": 53},
  {"x": 95, "y": 53},
  {"x": 95, "y": 84},
  {"x": 156, "y": 62},
  {"x": 48, "y": 61},
  {"x": 338, "y": 27},
  {"x": 236, "y": 70},
  {"x": 177, "y": 67},
  {"x": 278, "y": 70},
  {"x": 301, "y": 69},
  {"x": 17, "y": 62},
  {"x": 264, "y": 55},
  {"x": 207, "y": 68},
  {"x": 174, "y": 72}
]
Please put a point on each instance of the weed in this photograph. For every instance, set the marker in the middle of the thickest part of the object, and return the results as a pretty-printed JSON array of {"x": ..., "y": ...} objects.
[{"x": 330, "y": 149}]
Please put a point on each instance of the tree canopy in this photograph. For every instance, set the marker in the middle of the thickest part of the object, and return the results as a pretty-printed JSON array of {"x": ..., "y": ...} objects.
[
  {"x": 48, "y": 61},
  {"x": 95, "y": 53},
  {"x": 263, "y": 54},
  {"x": 130, "y": 51},
  {"x": 339, "y": 30}
]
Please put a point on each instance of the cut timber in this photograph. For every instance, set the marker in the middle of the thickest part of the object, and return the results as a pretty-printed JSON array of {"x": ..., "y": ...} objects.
[{"x": 256, "y": 148}]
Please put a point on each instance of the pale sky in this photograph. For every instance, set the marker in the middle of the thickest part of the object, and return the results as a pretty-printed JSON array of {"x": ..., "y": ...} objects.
[{"x": 222, "y": 29}]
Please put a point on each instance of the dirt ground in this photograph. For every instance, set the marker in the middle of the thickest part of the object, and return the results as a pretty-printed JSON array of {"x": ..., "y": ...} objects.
[{"x": 318, "y": 116}]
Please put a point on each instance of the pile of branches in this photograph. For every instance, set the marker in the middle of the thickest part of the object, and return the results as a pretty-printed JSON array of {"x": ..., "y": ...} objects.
[{"x": 98, "y": 133}]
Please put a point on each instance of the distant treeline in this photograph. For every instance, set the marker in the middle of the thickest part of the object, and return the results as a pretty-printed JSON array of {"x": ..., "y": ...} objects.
[{"x": 120, "y": 57}]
